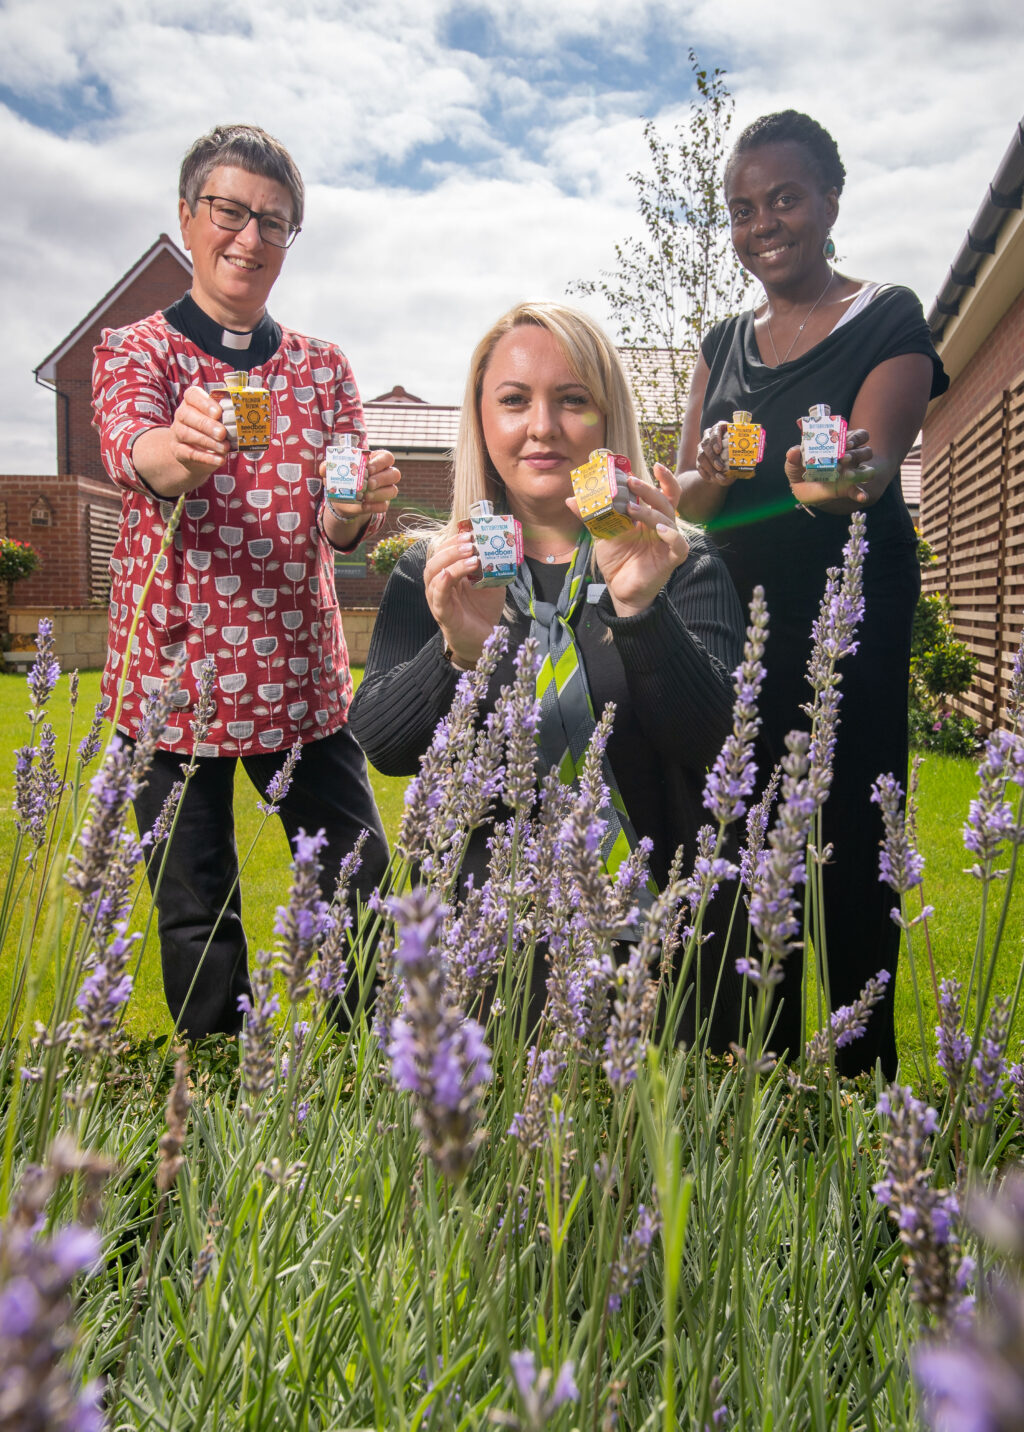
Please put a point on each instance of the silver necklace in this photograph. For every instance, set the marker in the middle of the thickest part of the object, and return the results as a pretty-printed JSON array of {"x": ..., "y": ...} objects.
[
  {"x": 552, "y": 556},
  {"x": 796, "y": 337}
]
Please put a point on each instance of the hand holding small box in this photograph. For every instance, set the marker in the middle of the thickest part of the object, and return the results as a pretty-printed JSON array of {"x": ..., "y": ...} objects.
[
  {"x": 822, "y": 442},
  {"x": 498, "y": 539},
  {"x": 345, "y": 465},
  {"x": 743, "y": 445},
  {"x": 602, "y": 494}
]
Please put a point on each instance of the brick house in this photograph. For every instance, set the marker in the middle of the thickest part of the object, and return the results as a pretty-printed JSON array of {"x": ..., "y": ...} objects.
[
  {"x": 972, "y": 460},
  {"x": 71, "y": 516}
]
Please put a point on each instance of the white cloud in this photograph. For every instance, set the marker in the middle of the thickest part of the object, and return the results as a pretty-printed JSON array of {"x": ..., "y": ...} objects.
[{"x": 529, "y": 143}]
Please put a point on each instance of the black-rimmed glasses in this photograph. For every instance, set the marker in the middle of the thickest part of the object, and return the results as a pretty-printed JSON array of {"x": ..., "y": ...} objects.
[{"x": 230, "y": 214}]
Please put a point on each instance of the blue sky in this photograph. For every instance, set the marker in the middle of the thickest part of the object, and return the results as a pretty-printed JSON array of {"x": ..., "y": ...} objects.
[{"x": 458, "y": 156}]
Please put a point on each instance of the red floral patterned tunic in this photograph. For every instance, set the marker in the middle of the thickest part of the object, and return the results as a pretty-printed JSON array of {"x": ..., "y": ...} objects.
[{"x": 249, "y": 579}]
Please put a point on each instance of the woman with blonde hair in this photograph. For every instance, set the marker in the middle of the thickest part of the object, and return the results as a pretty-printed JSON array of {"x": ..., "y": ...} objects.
[{"x": 648, "y": 620}]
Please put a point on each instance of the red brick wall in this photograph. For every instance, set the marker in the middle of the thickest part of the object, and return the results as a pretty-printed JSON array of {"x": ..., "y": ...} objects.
[
  {"x": 993, "y": 368},
  {"x": 426, "y": 489},
  {"x": 78, "y": 445},
  {"x": 62, "y": 579}
]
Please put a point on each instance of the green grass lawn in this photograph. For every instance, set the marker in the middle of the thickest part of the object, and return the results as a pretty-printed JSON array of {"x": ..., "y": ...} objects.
[
  {"x": 946, "y": 788},
  {"x": 264, "y": 875}
]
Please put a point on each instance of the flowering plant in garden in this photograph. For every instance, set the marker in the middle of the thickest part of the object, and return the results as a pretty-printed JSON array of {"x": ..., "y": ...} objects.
[
  {"x": 439, "y": 1218},
  {"x": 17, "y": 559},
  {"x": 941, "y": 668},
  {"x": 383, "y": 558}
]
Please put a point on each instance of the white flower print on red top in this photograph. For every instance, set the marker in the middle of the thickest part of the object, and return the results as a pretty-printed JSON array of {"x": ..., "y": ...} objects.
[{"x": 249, "y": 579}]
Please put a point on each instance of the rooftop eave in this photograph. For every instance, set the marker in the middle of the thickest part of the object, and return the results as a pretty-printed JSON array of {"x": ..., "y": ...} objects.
[
  {"x": 997, "y": 285},
  {"x": 984, "y": 278},
  {"x": 47, "y": 370}
]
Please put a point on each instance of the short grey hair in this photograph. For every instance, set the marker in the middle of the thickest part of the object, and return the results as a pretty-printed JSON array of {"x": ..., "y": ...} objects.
[{"x": 246, "y": 147}]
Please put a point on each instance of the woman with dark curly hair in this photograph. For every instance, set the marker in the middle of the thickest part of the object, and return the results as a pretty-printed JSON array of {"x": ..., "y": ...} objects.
[{"x": 864, "y": 349}]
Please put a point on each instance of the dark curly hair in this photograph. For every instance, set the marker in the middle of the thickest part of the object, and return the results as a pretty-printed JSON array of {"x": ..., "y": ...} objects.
[{"x": 789, "y": 126}]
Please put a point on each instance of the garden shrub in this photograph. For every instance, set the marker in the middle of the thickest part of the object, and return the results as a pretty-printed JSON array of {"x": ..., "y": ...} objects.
[
  {"x": 941, "y": 668},
  {"x": 17, "y": 559},
  {"x": 383, "y": 558}
]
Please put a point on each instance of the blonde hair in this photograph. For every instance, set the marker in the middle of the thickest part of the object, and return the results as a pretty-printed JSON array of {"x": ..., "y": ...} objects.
[{"x": 593, "y": 361}]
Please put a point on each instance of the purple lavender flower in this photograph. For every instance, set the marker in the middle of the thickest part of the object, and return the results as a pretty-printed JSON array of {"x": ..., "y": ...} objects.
[
  {"x": 990, "y": 821},
  {"x": 38, "y": 1389},
  {"x": 303, "y": 922},
  {"x": 719, "y": 1411},
  {"x": 106, "y": 987},
  {"x": 30, "y": 811},
  {"x": 988, "y": 1070},
  {"x": 164, "y": 822},
  {"x": 280, "y": 782},
  {"x": 519, "y": 710},
  {"x": 978, "y": 1381},
  {"x": 966, "y": 1389},
  {"x": 636, "y": 1249},
  {"x": 349, "y": 868},
  {"x": 257, "y": 1037},
  {"x": 88, "y": 747},
  {"x": 459, "y": 775},
  {"x": 954, "y": 1043},
  {"x": 206, "y": 706},
  {"x": 438, "y": 1055},
  {"x": 834, "y": 637},
  {"x": 37, "y": 786},
  {"x": 632, "y": 1014},
  {"x": 774, "y": 905},
  {"x": 751, "y": 856},
  {"x": 531, "y": 1125},
  {"x": 709, "y": 869},
  {"x": 44, "y": 672},
  {"x": 848, "y": 1022},
  {"x": 172, "y": 1141},
  {"x": 899, "y": 863},
  {"x": 541, "y": 1393},
  {"x": 1015, "y": 1074},
  {"x": 475, "y": 942},
  {"x": 112, "y": 789},
  {"x": 731, "y": 779},
  {"x": 1016, "y": 694},
  {"x": 925, "y": 1216}
]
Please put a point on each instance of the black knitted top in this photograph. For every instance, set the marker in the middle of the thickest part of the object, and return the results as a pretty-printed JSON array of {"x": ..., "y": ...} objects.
[{"x": 667, "y": 670}]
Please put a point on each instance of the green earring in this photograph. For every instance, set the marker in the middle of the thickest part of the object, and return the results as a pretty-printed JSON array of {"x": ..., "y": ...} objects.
[{"x": 829, "y": 248}]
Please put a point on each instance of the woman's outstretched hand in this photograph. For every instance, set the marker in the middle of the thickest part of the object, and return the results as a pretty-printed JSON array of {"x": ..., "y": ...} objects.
[
  {"x": 466, "y": 614},
  {"x": 637, "y": 565},
  {"x": 855, "y": 471},
  {"x": 711, "y": 460}
]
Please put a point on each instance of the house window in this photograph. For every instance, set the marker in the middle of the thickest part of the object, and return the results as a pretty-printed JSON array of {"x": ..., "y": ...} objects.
[
  {"x": 42, "y": 513},
  {"x": 351, "y": 564}
]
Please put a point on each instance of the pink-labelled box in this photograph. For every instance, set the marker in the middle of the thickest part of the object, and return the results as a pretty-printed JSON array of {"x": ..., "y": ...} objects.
[
  {"x": 498, "y": 539},
  {"x": 822, "y": 440},
  {"x": 345, "y": 464}
]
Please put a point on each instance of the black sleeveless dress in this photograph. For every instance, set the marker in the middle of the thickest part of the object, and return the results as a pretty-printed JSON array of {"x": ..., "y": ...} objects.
[{"x": 766, "y": 539}]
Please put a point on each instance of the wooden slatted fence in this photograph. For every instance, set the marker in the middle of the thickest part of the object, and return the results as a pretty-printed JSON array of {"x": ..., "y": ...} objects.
[
  {"x": 972, "y": 513},
  {"x": 104, "y": 523}
]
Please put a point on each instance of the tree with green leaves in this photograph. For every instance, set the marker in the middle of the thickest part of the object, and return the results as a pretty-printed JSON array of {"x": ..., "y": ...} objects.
[{"x": 680, "y": 275}]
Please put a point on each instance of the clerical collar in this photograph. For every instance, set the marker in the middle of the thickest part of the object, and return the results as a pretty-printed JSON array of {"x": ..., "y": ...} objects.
[{"x": 240, "y": 350}]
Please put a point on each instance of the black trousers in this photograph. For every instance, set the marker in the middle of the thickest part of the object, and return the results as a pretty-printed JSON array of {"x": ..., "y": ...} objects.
[{"x": 201, "y": 949}]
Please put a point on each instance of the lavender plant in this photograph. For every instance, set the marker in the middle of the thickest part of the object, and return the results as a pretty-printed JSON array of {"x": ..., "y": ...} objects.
[{"x": 602, "y": 1231}]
